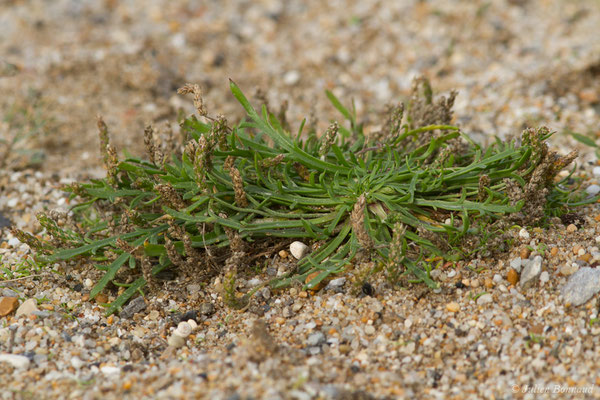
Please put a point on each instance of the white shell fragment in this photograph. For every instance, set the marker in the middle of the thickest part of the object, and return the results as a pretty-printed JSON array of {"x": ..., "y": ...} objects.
[
  {"x": 298, "y": 249},
  {"x": 184, "y": 329}
]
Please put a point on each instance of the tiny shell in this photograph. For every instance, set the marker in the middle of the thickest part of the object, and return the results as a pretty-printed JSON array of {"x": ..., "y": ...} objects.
[
  {"x": 184, "y": 329},
  {"x": 193, "y": 324},
  {"x": 298, "y": 249}
]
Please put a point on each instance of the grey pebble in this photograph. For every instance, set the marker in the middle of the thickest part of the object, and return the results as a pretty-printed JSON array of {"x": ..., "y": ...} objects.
[
  {"x": 531, "y": 271},
  {"x": 135, "y": 306},
  {"x": 582, "y": 285},
  {"x": 207, "y": 308},
  {"x": 336, "y": 283},
  {"x": 316, "y": 339}
]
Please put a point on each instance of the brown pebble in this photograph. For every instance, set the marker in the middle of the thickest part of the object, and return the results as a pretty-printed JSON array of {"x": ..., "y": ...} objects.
[
  {"x": 554, "y": 251},
  {"x": 280, "y": 320},
  {"x": 303, "y": 294},
  {"x": 537, "y": 329},
  {"x": 283, "y": 254},
  {"x": 512, "y": 277},
  {"x": 489, "y": 283},
  {"x": 8, "y": 305},
  {"x": 576, "y": 249},
  {"x": 47, "y": 307},
  {"x": 453, "y": 306},
  {"x": 344, "y": 349},
  {"x": 101, "y": 298},
  {"x": 586, "y": 257},
  {"x": 571, "y": 228},
  {"x": 525, "y": 252},
  {"x": 312, "y": 276}
]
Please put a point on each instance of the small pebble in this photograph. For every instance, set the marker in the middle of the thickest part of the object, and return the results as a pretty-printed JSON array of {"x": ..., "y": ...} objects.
[
  {"x": 8, "y": 305},
  {"x": 27, "y": 308},
  {"x": 485, "y": 299},
  {"x": 523, "y": 234},
  {"x": 593, "y": 189},
  {"x": 584, "y": 284},
  {"x": 135, "y": 306},
  {"x": 17, "y": 361},
  {"x": 512, "y": 277},
  {"x": 369, "y": 330},
  {"x": 571, "y": 228},
  {"x": 531, "y": 271},
  {"x": 298, "y": 249},
  {"x": 453, "y": 306}
]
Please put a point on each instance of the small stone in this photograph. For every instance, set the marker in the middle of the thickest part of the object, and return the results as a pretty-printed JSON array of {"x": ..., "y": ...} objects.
[
  {"x": 312, "y": 276},
  {"x": 484, "y": 299},
  {"x": 265, "y": 293},
  {"x": 453, "y": 306},
  {"x": 110, "y": 370},
  {"x": 544, "y": 277},
  {"x": 582, "y": 285},
  {"x": 516, "y": 264},
  {"x": 524, "y": 253},
  {"x": 336, "y": 283},
  {"x": 488, "y": 283},
  {"x": 283, "y": 254},
  {"x": 315, "y": 339},
  {"x": 596, "y": 171},
  {"x": 27, "y": 308},
  {"x": 17, "y": 361},
  {"x": 369, "y": 330},
  {"x": 512, "y": 277},
  {"x": 523, "y": 234},
  {"x": 344, "y": 349},
  {"x": 76, "y": 362},
  {"x": 207, "y": 309},
  {"x": 8, "y": 305},
  {"x": 298, "y": 249},
  {"x": 184, "y": 330},
  {"x": 176, "y": 341},
  {"x": 475, "y": 283},
  {"x": 568, "y": 269},
  {"x": 554, "y": 251},
  {"x": 291, "y": 77},
  {"x": 88, "y": 283},
  {"x": 135, "y": 306},
  {"x": 101, "y": 298},
  {"x": 531, "y": 271},
  {"x": 593, "y": 190},
  {"x": 571, "y": 228}
]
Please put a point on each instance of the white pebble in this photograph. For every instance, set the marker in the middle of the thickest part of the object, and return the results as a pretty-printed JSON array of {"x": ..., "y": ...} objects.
[
  {"x": 523, "y": 234},
  {"x": 14, "y": 242},
  {"x": 17, "y": 361},
  {"x": 596, "y": 171},
  {"x": 593, "y": 189},
  {"x": 291, "y": 77},
  {"x": 193, "y": 324},
  {"x": 544, "y": 277},
  {"x": 88, "y": 283},
  {"x": 110, "y": 370},
  {"x": 298, "y": 249},
  {"x": 485, "y": 299}
]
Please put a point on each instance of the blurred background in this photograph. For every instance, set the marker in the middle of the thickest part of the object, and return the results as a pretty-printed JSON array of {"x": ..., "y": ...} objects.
[{"x": 515, "y": 63}]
